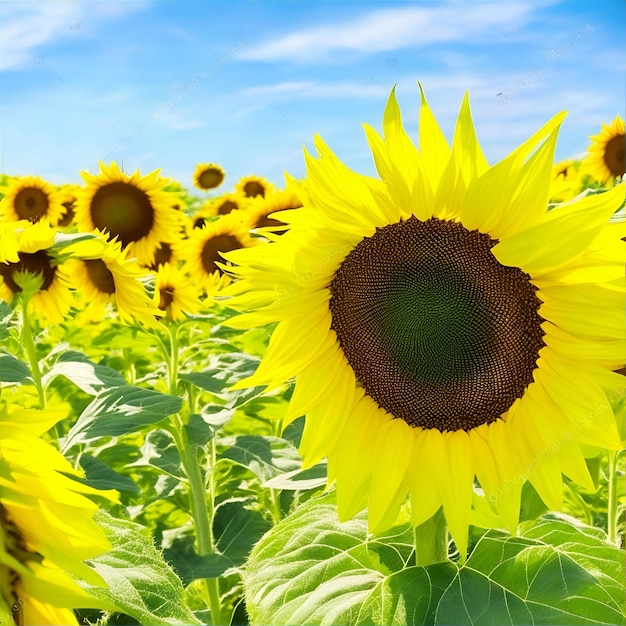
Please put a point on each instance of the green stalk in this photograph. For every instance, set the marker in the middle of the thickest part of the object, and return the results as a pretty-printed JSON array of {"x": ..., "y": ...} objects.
[
  {"x": 613, "y": 498},
  {"x": 28, "y": 343},
  {"x": 431, "y": 540},
  {"x": 201, "y": 496}
]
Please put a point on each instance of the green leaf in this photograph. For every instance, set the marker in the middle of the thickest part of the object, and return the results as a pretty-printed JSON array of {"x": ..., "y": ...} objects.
[
  {"x": 557, "y": 572},
  {"x": 159, "y": 450},
  {"x": 100, "y": 476},
  {"x": 237, "y": 528},
  {"x": 311, "y": 569},
  {"x": 90, "y": 377},
  {"x": 12, "y": 370},
  {"x": 189, "y": 565},
  {"x": 267, "y": 457},
  {"x": 121, "y": 410},
  {"x": 296, "y": 480},
  {"x": 140, "y": 583},
  {"x": 225, "y": 370}
]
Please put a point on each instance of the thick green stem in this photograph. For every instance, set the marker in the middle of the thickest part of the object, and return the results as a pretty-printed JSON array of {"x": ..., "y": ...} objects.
[
  {"x": 431, "y": 540},
  {"x": 613, "y": 498},
  {"x": 201, "y": 495},
  {"x": 28, "y": 343}
]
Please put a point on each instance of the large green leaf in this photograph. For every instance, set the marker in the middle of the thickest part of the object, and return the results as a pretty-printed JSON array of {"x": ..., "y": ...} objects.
[
  {"x": 12, "y": 370},
  {"x": 557, "y": 572},
  {"x": 121, "y": 410},
  {"x": 140, "y": 583},
  {"x": 311, "y": 569},
  {"x": 267, "y": 457},
  {"x": 88, "y": 376},
  {"x": 100, "y": 476}
]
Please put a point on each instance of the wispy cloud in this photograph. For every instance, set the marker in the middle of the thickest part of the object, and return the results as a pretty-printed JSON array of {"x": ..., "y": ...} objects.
[
  {"x": 26, "y": 26},
  {"x": 392, "y": 29},
  {"x": 293, "y": 90}
]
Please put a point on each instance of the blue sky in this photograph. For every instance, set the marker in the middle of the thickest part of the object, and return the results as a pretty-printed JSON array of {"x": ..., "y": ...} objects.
[{"x": 247, "y": 83}]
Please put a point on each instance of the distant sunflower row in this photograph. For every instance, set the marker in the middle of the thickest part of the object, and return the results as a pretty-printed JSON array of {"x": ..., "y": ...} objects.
[{"x": 151, "y": 252}]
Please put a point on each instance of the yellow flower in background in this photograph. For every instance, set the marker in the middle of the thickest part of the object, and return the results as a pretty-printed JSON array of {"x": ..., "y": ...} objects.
[
  {"x": 174, "y": 293},
  {"x": 106, "y": 275},
  {"x": 203, "y": 250},
  {"x": 47, "y": 530},
  {"x": 31, "y": 198},
  {"x": 253, "y": 186},
  {"x": 69, "y": 194},
  {"x": 208, "y": 176},
  {"x": 28, "y": 260},
  {"x": 134, "y": 209},
  {"x": 441, "y": 324},
  {"x": 606, "y": 153},
  {"x": 257, "y": 213},
  {"x": 567, "y": 180},
  {"x": 219, "y": 206}
]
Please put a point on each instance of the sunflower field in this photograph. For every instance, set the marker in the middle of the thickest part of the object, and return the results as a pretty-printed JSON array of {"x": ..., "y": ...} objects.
[{"x": 345, "y": 400}]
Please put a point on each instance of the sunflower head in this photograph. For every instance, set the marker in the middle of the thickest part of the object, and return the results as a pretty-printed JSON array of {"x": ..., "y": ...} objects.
[
  {"x": 175, "y": 294},
  {"x": 208, "y": 176},
  {"x": 31, "y": 198},
  {"x": 606, "y": 160},
  {"x": 31, "y": 268},
  {"x": 202, "y": 252},
  {"x": 258, "y": 212},
  {"x": 441, "y": 324},
  {"x": 136, "y": 210},
  {"x": 253, "y": 186}
]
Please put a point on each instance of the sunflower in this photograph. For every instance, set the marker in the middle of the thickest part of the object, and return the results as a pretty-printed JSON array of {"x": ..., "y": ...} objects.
[
  {"x": 441, "y": 324},
  {"x": 69, "y": 193},
  {"x": 31, "y": 198},
  {"x": 253, "y": 186},
  {"x": 107, "y": 275},
  {"x": 29, "y": 263},
  {"x": 134, "y": 209},
  {"x": 208, "y": 176},
  {"x": 46, "y": 526},
  {"x": 175, "y": 293},
  {"x": 259, "y": 210},
  {"x": 202, "y": 251},
  {"x": 606, "y": 153}
]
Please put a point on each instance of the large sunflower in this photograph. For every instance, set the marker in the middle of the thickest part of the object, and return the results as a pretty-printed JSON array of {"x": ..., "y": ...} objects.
[
  {"x": 31, "y": 198},
  {"x": 606, "y": 160},
  {"x": 441, "y": 324},
  {"x": 46, "y": 526},
  {"x": 134, "y": 209}
]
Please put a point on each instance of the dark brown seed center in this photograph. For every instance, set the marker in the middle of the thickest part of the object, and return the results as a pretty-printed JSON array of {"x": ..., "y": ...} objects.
[
  {"x": 614, "y": 154},
  {"x": 437, "y": 332},
  {"x": 212, "y": 248},
  {"x": 100, "y": 276},
  {"x": 36, "y": 263},
  {"x": 122, "y": 210},
  {"x": 31, "y": 204}
]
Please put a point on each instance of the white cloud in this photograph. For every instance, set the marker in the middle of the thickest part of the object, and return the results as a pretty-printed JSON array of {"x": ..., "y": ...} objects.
[
  {"x": 28, "y": 25},
  {"x": 310, "y": 90},
  {"x": 392, "y": 29}
]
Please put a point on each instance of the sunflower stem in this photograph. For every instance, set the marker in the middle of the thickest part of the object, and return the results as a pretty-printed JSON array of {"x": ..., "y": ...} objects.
[
  {"x": 30, "y": 350},
  {"x": 431, "y": 540},
  {"x": 612, "y": 498},
  {"x": 201, "y": 491}
]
